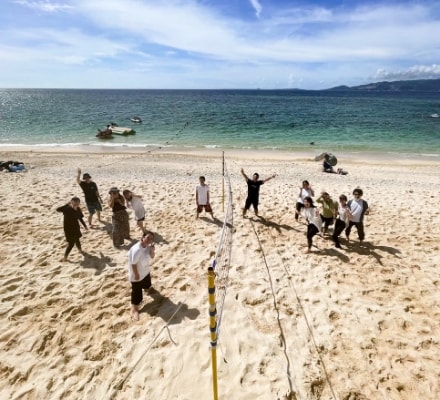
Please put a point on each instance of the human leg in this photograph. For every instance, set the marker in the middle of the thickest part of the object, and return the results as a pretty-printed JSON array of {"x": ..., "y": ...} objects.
[
  {"x": 255, "y": 206},
  {"x": 339, "y": 227},
  {"x": 348, "y": 229},
  {"x": 360, "y": 230},
  {"x": 298, "y": 207},
  {"x": 78, "y": 245},
  {"x": 312, "y": 230},
  {"x": 247, "y": 204},
  {"x": 70, "y": 244},
  {"x": 140, "y": 224},
  {"x": 118, "y": 239},
  {"x": 136, "y": 298},
  {"x": 146, "y": 282}
]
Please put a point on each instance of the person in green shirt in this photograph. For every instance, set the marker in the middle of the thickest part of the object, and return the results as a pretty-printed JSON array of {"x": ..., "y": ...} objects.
[{"x": 329, "y": 210}]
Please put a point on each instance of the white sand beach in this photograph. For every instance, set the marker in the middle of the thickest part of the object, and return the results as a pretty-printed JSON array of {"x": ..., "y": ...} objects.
[{"x": 357, "y": 323}]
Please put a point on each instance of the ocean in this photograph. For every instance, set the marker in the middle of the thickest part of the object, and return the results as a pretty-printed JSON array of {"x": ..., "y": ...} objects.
[{"x": 287, "y": 120}]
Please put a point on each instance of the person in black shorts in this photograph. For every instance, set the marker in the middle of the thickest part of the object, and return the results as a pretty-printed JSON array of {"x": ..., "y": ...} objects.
[
  {"x": 91, "y": 195},
  {"x": 253, "y": 191}
]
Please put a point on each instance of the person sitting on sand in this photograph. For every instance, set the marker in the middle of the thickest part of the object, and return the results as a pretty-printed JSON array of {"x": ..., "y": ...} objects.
[
  {"x": 327, "y": 167},
  {"x": 139, "y": 257}
]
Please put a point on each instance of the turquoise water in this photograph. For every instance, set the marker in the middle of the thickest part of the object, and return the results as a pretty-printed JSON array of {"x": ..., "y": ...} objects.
[{"x": 230, "y": 119}]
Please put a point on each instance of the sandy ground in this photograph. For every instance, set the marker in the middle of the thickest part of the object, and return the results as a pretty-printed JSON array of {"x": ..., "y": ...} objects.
[{"x": 352, "y": 324}]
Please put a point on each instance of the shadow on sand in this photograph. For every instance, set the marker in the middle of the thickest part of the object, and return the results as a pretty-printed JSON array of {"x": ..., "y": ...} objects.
[
  {"x": 98, "y": 263},
  {"x": 164, "y": 307}
]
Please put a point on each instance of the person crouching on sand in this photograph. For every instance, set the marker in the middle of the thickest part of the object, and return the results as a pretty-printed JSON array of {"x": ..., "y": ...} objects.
[
  {"x": 134, "y": 201},
  {"x": 139, "y": 257}
]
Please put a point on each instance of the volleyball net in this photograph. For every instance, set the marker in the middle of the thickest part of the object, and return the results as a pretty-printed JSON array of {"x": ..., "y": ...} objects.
[{"x": 218, "y": 274}]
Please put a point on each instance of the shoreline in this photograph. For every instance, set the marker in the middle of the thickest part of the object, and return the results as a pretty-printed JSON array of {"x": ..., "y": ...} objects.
[{"x": 385, "y": 158}]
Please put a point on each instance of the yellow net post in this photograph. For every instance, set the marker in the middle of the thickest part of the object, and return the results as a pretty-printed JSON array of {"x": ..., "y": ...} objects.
[{"x": 213, "y": 329}]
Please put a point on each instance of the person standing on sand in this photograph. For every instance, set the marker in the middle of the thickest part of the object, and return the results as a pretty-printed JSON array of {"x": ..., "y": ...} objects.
[
  {"x": 311, "y": 213},
  {"x": 304, "y": 191},
  {"x": 120, "y": 223},
  {"x": 202, "y": 198},
  {"x": 253, "y": 196},
  {"x": 329, "y": 210},
  {"x": 139, "y": 257},
  {"x": 72, "y": 217},
  {"x": 134, "y": 201},
  {"x": 91, "y": 195},
  {"x": 342, "y": 220},
  {"x": 358, "y": 208}
]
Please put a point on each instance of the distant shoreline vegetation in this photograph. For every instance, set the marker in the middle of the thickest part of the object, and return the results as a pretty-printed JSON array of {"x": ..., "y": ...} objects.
[{"x": 416, "y": 85}]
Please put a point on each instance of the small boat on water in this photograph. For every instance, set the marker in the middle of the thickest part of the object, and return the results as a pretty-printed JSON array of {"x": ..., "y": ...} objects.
[
  {"x": 136, "y": 120},
  {"x": 123, "y": 131},
  {"x": 435, "y": 115},
  {"x": 104, "y": 135}
]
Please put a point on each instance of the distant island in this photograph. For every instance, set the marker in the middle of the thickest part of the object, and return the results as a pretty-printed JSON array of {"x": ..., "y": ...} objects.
[{"x": 418, "y": 85}]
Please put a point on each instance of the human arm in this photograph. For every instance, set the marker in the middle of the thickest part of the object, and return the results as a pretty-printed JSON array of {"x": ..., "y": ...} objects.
[
  {"x": 244, "y": 175},
  {"x": 152, "y": 250},
  {"x": 62, "y": 208},
  {"x": 367, "y": 208},
  {"x": 81, "y": 218},
  {"x": 135, "y": 271},
  {"x": 269, "y": 178},
  {"x": 78, "y": 177},
  {"x": 99, "y": 196}
]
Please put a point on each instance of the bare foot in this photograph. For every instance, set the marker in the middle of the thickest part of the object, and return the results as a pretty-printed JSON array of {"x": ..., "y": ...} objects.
[
  {"x": 135, "y": 315},
  {"x": 64, "y": 259},
  {"x": 308, "y": 251}
]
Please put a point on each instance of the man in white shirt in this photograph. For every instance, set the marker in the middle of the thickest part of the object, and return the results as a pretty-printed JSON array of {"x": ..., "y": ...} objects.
[
  {"x": 139, "y": 269},
  {"x": 202, "y": 198},
  {"x": 358, "y": 208}
]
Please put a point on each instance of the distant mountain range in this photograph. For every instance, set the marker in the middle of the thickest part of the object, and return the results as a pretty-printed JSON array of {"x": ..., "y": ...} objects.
[{"x": 419, "y": 85}]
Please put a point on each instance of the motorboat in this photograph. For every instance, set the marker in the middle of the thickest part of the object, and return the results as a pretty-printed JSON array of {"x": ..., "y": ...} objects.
[
  {"x": 136, "y": 120},
  {"x": 122, "y": 131}
]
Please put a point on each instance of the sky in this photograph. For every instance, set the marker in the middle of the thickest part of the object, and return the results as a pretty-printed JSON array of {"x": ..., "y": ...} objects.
[{"x": 216, "y": 44}]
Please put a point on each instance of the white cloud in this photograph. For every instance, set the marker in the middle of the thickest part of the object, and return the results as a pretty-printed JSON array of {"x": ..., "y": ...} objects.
[
  {"x": 257, "y": 6},
  {"x": 45, "y": 6},
  {"x": 415, "y": 72},
  {"x": 188, "y": 42}
]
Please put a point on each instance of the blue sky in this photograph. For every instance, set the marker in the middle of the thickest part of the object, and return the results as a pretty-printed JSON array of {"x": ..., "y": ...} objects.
[{"x": 207, "y": 44}]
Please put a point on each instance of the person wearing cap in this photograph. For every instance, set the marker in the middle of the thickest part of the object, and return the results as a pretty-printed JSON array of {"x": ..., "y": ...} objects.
[
  {"x": 91, "y": 195},
  {"x": 120, "y": 222}
]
